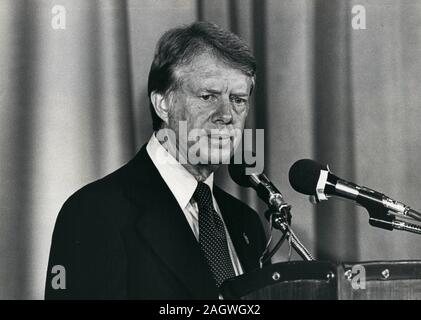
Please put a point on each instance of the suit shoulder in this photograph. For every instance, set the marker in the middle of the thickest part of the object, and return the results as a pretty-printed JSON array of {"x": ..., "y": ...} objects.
[
  {"x": 97, "y": 199},
  {"x": 113, "y": 182},
  {"x": 110, "y": 185}
]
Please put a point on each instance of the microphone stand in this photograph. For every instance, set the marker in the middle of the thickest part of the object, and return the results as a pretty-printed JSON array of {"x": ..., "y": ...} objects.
[
  {"x": 406, "y": 226},
  {"x": 280, "y": 222},
  {"x": 395, "y": 223},
  {"x": 384, "y": 218}
]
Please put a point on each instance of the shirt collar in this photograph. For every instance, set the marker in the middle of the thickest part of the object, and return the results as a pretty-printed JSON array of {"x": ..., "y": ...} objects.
[{"x": 181, "y": 183}]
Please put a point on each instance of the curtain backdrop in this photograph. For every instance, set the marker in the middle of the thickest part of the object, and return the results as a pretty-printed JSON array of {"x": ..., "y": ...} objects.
[{"x": 74, "y": 107}]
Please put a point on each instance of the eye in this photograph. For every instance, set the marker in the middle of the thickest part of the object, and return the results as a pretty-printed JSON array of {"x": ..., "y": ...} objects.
[
  {"x": 206, "y": 97},
  {"x": 238, "y": 101}
]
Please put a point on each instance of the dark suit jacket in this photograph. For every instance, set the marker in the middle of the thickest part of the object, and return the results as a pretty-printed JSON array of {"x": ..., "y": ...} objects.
[{"x": 125, "y": 237}]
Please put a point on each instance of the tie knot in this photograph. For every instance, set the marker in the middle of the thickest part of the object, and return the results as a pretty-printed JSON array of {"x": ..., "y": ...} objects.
[{"x": 203, "y": 195}]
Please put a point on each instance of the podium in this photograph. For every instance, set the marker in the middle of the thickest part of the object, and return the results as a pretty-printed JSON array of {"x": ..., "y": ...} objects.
[{"x": 315, "y": 280}]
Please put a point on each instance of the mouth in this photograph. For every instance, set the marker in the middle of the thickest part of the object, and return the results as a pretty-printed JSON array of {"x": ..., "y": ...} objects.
[
  {"x": 223, "y": 134},
  {"x": 220, "y": 137}
]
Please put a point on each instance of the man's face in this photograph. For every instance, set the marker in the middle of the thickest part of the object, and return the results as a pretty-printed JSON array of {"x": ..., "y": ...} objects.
[{"x": 212, "y": 103}]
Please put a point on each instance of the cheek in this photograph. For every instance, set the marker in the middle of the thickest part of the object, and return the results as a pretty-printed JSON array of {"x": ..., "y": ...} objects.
[
  {"x": 196, "y": 114},
  {"x": 198, "y": 119},
  {"x": 178, "y": 112},
  {"x": 239, "y": 118}
]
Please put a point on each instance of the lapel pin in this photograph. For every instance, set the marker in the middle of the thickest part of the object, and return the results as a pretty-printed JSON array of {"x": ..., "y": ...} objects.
[{"x": 246, "y": 238}]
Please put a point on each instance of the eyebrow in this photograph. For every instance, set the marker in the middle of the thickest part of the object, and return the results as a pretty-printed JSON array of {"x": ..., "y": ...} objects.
[
  {"x": 211, "y": 90},
  {"x": 214, "y": 91},
  {"x": 240, "y": 94}
]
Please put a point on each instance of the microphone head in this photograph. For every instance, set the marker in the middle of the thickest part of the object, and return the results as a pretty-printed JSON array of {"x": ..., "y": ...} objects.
[
  {"x": 304, "y": 175},
  {"x": 237, "y": 171}
]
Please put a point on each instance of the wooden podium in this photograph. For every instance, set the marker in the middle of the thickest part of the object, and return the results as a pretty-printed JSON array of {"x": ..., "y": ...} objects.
[{"x": 302, "y": 280}]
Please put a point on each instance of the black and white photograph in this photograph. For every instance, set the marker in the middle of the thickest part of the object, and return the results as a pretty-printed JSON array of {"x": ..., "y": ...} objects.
[{"x": 231, "y": 151}]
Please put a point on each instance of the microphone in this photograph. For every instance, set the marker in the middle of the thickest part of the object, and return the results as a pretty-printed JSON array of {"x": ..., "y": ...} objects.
[
  {"x": 242, "y": 174},
  {"x": 259, "y": 182},
  {"x": 311, "y": 178}
]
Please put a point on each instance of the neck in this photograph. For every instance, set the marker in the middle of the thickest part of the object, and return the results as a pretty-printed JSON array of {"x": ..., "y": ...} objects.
[{"x": 200, "y": 172}]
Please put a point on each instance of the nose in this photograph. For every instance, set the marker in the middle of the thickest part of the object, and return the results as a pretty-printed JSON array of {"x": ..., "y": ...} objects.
[{"x": 223, "y": 113}]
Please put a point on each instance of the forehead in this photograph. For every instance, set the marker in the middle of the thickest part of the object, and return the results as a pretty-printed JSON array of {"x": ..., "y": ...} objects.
[{"x": 206, "y": 70}]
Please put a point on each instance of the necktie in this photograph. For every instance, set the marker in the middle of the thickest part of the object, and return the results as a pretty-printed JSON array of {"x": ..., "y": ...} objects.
[{"x": 212, "y": 237}]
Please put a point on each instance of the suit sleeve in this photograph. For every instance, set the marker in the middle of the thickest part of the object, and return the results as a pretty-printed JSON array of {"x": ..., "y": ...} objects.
[
  {"x": 79, "y": 264},
  {"x": 63, "y": 264}
]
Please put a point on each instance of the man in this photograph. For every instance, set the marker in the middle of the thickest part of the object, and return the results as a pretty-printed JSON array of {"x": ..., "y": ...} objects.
[{"x": 158, "y": 228}]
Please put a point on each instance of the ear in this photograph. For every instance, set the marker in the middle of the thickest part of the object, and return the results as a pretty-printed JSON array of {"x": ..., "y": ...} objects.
[{"x": 160, "y": 105}]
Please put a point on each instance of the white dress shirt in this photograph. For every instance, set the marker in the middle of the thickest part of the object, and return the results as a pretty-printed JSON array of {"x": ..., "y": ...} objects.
[{"x": 182, "y": 184}]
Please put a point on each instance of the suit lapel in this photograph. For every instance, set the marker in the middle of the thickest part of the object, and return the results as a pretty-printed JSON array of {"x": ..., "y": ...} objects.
[
  {"x": 236, "y": 228},
  {"x": 163, "y": 225}
]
